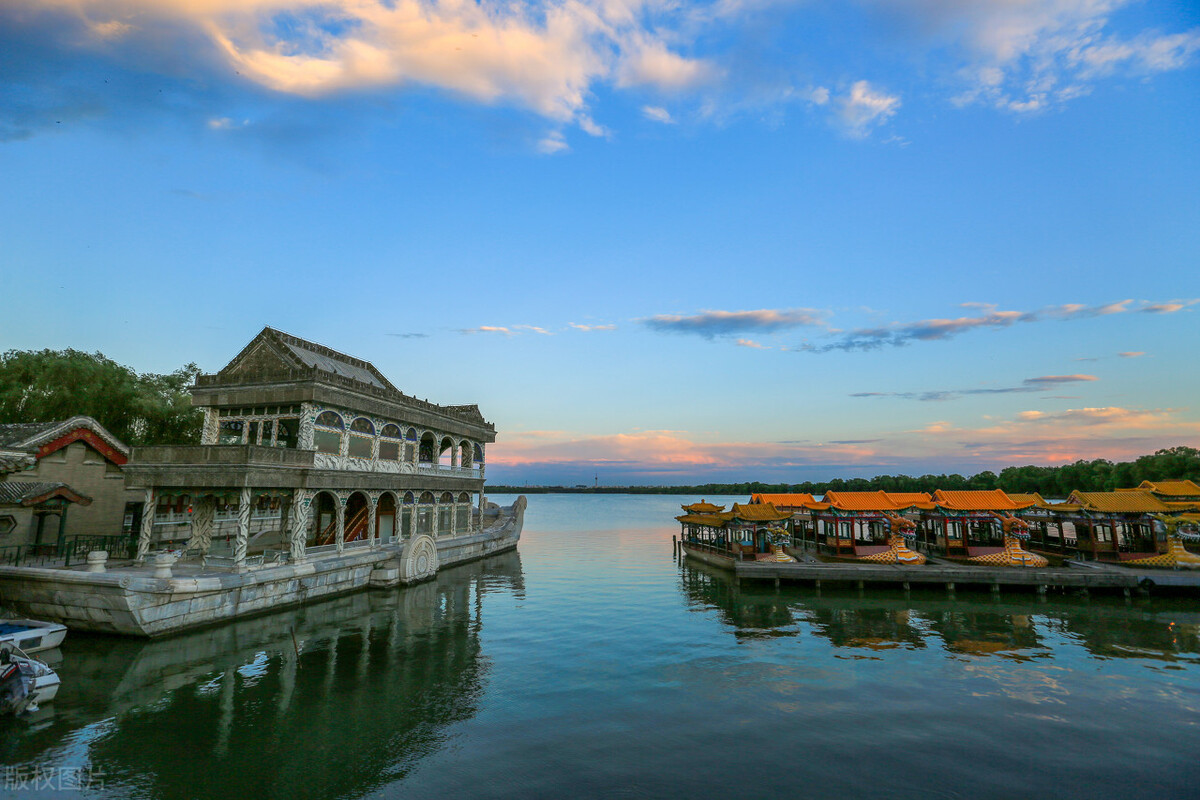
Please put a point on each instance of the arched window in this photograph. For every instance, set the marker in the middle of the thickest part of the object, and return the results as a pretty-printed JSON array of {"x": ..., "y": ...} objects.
[
  {"x": 464, "y": 454},
  {"x": 411, "y": 435},
  {"x": 409, "y": 499},
  {"x": 447, "y": 445},
  {"x": 390, "y": 445},
  {"x": 328, "y": 419},
  {"x": 463, "y": 497},
  {"x": 327, "y": 438},
  {"x": 478, "y": 454},
  {"x": 446, "y": 497},
  {"x": 426, "y": 497},
  {"x": 362, "y": 437},
  {"x": 426, "y": 455}
]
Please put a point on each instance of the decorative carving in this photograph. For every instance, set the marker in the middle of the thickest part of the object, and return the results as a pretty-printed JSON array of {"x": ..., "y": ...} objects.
[
  {"x": 419, "y": 559},
  {"x": 202, "y": 524},
  {"x": 1168, "y": 527},
  {"x": 208, "y": 434},
  {"x": 298, "y": 535},
  {"x": 308, "y": 418},
  {"x": 147, "y": 530},
  {"x": 898, "y": 551},
  {"x": 242, "y": 539},
  {"x": 1015, "y": 530}
]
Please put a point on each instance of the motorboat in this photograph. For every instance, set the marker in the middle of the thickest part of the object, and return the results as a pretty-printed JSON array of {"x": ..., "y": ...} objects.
[
  {"x": 31, "y": 635},
  {"x": 25, "y": 682}
]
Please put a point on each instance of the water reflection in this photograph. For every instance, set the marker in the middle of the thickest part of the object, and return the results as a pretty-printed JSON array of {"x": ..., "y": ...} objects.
[
  {"x": 331, "y": 700},
  {"x": 1015, "y": 627}
]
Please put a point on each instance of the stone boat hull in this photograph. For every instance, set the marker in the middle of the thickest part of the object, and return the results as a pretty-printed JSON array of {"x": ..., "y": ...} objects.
[{"x": 133, "y": 602}]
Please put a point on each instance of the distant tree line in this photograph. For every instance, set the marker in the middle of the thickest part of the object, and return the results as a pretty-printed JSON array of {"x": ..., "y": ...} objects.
[
  {"x": 1099, "y": 475},
  {"x": 138, "y": 408}
]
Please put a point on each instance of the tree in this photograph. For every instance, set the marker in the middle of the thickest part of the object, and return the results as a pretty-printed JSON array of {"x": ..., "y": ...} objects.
[{"x": 139, "y": 409}]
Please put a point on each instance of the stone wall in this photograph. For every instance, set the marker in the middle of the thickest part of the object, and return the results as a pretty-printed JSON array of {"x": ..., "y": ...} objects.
[{"x": 88, "y": 473}]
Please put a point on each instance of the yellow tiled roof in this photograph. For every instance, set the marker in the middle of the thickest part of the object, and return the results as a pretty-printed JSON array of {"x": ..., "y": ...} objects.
[
  {"x": 708, "y": 520},
  {"x": 1142, "y": 502},
  {"x": 703, "y": 507},
  {"x": 757, "y": 512},
  {"x": 1183, "y": 488},
  {"x": 863, "y": 501},
  {"x": 974, "y": 500},
  {"x": 909, "y": 498},
  {"x": 784, "y": 500},
  {"x": 1026, "y": 500}
]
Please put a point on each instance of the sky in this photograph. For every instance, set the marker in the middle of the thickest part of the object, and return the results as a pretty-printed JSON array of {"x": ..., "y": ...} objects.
[{"x": 655, "y": 242}]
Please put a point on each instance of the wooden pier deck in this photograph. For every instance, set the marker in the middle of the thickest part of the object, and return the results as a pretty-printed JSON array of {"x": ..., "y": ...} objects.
[{"x": 952, "y": 576}]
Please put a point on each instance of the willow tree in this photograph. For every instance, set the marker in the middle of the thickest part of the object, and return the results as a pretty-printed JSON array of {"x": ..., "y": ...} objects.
[{"x": 139, "y": 408}]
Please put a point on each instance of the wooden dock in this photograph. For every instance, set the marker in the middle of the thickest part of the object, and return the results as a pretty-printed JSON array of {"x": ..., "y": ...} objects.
[{"x": 952, "y": 576}]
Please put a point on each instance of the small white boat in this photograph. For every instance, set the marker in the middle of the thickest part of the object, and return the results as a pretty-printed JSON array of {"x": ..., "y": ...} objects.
[
  {"x": 25, "y": 682},
  {"x": 31, "y": 635}
]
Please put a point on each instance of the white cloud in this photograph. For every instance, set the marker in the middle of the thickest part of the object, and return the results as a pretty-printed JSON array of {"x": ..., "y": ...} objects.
[
  {"x": 544, "y": 56},
  {"x": 865, "y": 108},
  {"x": 657, "y": 114},
  {"x": 553, "y": 142},
  {"x": 1027, "y": 55},
  {"x": 579, "y": 327}
]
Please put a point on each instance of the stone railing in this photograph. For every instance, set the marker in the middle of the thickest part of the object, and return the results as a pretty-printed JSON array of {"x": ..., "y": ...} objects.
[
  {"x": 221, "y": 455},
  {"x": 466, "y": 413}
]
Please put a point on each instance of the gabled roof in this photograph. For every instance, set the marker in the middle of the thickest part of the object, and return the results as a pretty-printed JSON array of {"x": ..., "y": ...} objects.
[
  {"x": 1142, "y": 502},
  {"x": 784, "y": 500},
  {"x": 42, "y": 438},
  {"x": 703, "y": 507},
  {"x": 30, "y": 493},
  {"x": 1180, "y": 488},
  {"x": 757, "y": 512},
  {"x": 708, "y": 520},
  {"x": 909, "y": 498},
  {"x": 292, "y": 352},
  {"x": 863, "y": 501},
  {"x": 1023, "y": 499},
  {"x": 15, "y": 461},
  {"x": 974, "y": 500}
]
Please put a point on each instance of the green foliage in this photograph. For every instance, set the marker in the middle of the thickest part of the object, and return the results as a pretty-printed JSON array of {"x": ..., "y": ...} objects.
[
  {"x": 139, "y": 409},
  {"x": 1099, "y": 475}
]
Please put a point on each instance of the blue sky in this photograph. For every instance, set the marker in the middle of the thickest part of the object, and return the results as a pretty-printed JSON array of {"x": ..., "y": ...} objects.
[{"x": 656, "y": 242}]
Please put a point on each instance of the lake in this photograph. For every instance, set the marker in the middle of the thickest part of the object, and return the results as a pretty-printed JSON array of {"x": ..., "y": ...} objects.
[{"x": 590, "y": 662}]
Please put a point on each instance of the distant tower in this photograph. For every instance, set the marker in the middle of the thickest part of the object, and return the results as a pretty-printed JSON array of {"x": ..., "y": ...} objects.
[{"x": 597, "y": 486}]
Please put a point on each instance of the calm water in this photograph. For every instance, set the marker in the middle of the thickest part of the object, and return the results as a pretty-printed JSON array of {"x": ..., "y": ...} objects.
[{"x": 590, "y": 663}]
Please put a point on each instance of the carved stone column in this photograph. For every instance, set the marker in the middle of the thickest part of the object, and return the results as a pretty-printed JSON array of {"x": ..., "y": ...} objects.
[
  {"x": 372, "y": 508},
  {"x": 242, "y": 537},
  {"x": 208, "y": 433},
  {"x": 453, "y": 518},
  {"x": 341, "y": 521},
  {"x": 147, "y": 529},
  {"x": 308, "y": 419},
  {"x": 202, "y": 524},
  {"x": 298, "y": 534}
]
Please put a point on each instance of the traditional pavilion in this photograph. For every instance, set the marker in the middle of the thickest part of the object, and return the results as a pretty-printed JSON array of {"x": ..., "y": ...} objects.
[
  {"x": 1114, "y": 526},
  {"x": 858, "y": 524},
  {"x": 962, "y": 523},
  {"x": 745, "y": 531},
  {"x": 326, "y": 443}
]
